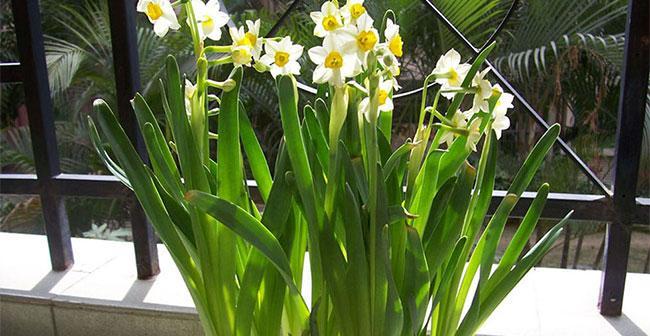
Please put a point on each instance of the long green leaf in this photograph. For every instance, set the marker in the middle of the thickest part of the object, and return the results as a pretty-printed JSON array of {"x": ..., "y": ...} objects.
[{"x": 247, "y": 227}]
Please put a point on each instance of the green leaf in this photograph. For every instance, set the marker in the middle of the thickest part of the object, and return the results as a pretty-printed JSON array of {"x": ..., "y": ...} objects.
[
  {"x": 256, "y": 159},
  {"x": 247, "y": 227},
  {"x": 145, "y": 190},
  {"x": 520, "y": 238},
  {"x": 317, "y": 136},
  {"x": 231, "y": 172},
  {"x": 415, "y": 296},
  {"x": 396, "y": 157},
  {"x": 188, "y": 156}
]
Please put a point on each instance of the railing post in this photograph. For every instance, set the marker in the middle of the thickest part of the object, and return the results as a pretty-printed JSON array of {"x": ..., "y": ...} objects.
[
  {"x": 127, "y": 83},
  {"x": 629, "y": 135},
  {"x": 29, "y": 36}
]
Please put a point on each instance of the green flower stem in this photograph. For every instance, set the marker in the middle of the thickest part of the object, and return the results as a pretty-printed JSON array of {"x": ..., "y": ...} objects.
[
  {"x": 194, "y": 30},
  {"x": 372, "y": 155},
  {"x": 220, "y": 61},
  {"x": 439, "y": 115},
  {"x": 226, "y": 85},
  {"x": 198, "y": 119},
  {"x": 459, "y": 131},
  {"x": 217, "y": 49}
]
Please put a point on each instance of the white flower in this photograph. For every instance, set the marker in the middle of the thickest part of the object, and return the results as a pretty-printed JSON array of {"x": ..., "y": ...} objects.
[
  {"x": 253, "y": 36},
  {"x": 474, "y": 133},
  {"x": 366, "y": 37},
  {"x": 353, "y": 11},
  {"x": 161, "y": 14},
  {"x": 450, "y": 73},
  {"x": 459, "y": 120},
  {"x": 282, "y": 57},
  {"x": 483, "y": 92},
  {"x": 209, "y": 19},
  {"x": 190, "y": 89},
  {"x": 393, "y": 38},
  {"x": 501, "y": 121},
  {"x": 327, "y": 20},
  {"x": 334, "y": 63},
  {"x": 242, "y": 50},
  {"x": 385, "y": 101}
]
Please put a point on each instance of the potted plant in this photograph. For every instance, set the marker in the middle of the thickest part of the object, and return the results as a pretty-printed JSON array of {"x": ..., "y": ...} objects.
[{"x": 393, "y": 238}]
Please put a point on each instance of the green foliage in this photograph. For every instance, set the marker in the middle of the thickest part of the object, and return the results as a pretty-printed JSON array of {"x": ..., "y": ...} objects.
[{"x": 382, "y": 262}]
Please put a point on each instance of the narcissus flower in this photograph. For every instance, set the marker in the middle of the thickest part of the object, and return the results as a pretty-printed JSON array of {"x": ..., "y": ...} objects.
[
  {"x": 483, "y": 92},
  {"x": 501, "y": 121},
  {"x": 385, "y": 101},
  {"x": 209, "y": 19},
  {"x": 282, "y": 57},
  {"x": 393, "y": 38},
  {"x": 334, "y": 62},
  {"x": 161, "y": 14},
  {"x": 242, "y": 48},
  {"x": 366, "y": 37},
  {"x": 450, "y": 73},
  {"x": 253, "y": 37},
  {"x": 327, "y": 20},
  {"x": 353, "y": 11}
]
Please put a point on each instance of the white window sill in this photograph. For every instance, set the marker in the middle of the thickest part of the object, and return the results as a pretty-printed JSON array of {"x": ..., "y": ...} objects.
[{"x": 101, "y": 295}]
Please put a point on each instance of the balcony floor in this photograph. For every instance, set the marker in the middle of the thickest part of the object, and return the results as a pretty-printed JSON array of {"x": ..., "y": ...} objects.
[{"x": 100, "y": 295}]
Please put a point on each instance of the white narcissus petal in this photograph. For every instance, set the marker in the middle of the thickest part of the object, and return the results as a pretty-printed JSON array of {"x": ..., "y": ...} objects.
[
  {"x": 161, "y": 28},
  {"x": 199, "y": 8},
  {"x": 322, "y": 74},
  {"x": 293, "y": 67},
  {"x": 267, "y": 59},
  {"x": 275, "y": 70},
  {"x": 318, "y": 54},
  {"x": 388, "y": 105}
]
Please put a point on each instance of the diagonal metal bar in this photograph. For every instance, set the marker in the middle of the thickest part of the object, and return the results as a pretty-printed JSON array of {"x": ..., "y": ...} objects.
[
  {"x": 490, "y": 39},
  {"x": 282, "y": 18},
  {"x": 509, "y": 87}
]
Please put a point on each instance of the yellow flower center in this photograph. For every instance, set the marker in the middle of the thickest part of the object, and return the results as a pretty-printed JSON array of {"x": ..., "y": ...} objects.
[
  {"x": 330, "y": 23},
  {"x": 154, "y": 11},
  {"x": 366, "y": 40},
  {"x": 334, "y": 60},
  {"x": 383, "y": 95},
  {"x": 395, "y": 46},
  {"x": 252, "y": 38},
  {"x": 207, "y": 24},
  {"x": 357, "y": 10},
  {"x": 281, "y": 58},
  {"x": 454, "y": 79}
]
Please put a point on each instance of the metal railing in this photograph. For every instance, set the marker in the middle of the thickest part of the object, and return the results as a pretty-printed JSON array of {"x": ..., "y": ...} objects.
[{"x": 619, "y": 207}]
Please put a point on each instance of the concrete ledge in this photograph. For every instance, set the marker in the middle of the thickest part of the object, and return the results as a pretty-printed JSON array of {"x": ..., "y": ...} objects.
[{"x": 100, "y": 295}]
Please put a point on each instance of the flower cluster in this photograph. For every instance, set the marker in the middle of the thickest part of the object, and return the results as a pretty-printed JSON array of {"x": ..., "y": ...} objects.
[
  {"x": 206, "y": 20},
  {"x": 349, "y": 41},
  {"x": 352, "y": 50},
  {"x": 348, "y": 38},
  {"x": 450, "y": 74}
]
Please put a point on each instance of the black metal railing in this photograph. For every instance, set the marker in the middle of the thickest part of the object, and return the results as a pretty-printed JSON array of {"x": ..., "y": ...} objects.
[{"x": 619, "y": 207}]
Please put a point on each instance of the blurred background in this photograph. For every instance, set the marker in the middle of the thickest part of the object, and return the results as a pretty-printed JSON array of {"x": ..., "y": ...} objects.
[{"x": 564, "y": 57}]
